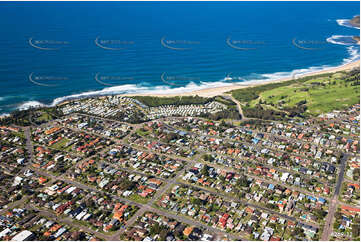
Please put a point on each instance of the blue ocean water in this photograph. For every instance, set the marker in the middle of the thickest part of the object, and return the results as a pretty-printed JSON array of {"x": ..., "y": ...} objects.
[{"x": 51, "y": 51}]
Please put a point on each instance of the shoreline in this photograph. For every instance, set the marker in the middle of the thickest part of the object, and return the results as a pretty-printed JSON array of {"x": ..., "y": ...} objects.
[{"x": 217, "y": 91}]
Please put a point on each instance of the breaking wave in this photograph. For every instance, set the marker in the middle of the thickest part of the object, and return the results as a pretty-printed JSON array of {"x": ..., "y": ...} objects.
[
  {"x": 346, "y": 23},
  {"x": 342, "y": 40},
  {"x": 30, "y": 104},
  {"x": 353, "y": 55}
]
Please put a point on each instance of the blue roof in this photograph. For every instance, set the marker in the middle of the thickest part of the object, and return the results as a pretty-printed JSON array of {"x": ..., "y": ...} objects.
[
  {"x": 195, "y": 179},
  {"x": 311, "y": 198},
  {"x": 271, "y": 186},
  {"x": 182, "y": 133}
]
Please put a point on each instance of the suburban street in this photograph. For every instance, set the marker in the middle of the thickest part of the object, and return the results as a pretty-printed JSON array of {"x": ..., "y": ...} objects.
[
  {"x": 167, "y": 184},
  {"x": 327, "y": 230},
  {"x": 143, "y": 207}
]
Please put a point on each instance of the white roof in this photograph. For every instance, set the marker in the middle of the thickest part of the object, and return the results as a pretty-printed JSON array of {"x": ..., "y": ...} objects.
[
  {"x": 4, "y": 232},
  {"x": 23, "y": 235}
]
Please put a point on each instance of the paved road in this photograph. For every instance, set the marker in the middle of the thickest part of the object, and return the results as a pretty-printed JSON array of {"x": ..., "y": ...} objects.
[
  {"x": 174, "y": 181},
  {"x": 288, "y": 186},
  {"x": 257, "y": 147},
  {"x": 149, "y": 206},
  {"x": 251, "y": 204},
  {"x": 196, "y": 223},
  {"x": 327, "y": 230},
  {"x": 68, "y": 221},
  {"x": 161, "y": 191},
  {"x": 265, "y": 165},
  {"x": 13, "y": 205},
  {"x": 341, "y": 174},
  {"x": 143, "y": 207},
  {"x": 29, "y": 145}
]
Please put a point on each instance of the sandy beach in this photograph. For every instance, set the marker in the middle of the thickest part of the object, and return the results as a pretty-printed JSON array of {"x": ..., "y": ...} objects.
[
  {"x": 211, "y": 92},
  {"x": 217, "y": 91}
]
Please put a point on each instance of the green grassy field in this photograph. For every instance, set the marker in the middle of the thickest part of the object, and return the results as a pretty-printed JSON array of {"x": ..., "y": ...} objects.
[
  {"x": 319, "y": 94},
  {"x": 45, "y": 117},
  {"x": 319, "y": 98},
  {"x": 60, "y": 144}
]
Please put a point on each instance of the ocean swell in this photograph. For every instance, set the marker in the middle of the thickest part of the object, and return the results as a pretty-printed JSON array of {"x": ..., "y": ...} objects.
[
  {"x": 137, "y": 89},
  {"x": 353, "y": 55}
]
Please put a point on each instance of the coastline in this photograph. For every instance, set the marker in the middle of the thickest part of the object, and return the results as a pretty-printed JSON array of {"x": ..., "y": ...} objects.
[
  {"x": 216, "y": 91},
  {"x": 213, "y": 91}
]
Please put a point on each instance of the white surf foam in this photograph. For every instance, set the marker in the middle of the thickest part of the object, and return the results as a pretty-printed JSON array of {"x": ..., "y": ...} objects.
[
  {"x": 352, "y": 48},
  {"x": 129, "y": 88},
  {"x": 163, "y": 89},
  {"x": 354, "y": 52},
  {"x": 354, "y": 55},
  {"x": 3, "y": 115},
  {"x": 136, "y": 89},
  {"x": 342, "y": 40},
  {"x": 106, "y": 91},
  {"x": 30, "y": 104},
  {"x": 346, "y": 23}
]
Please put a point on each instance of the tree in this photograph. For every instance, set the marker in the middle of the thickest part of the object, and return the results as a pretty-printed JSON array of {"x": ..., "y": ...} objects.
[
  {"x": 205, "y": 157},
  {"x": 155, "y": 229},
  {"x": 163, "y": 234},
  {"x": 271, "y": 206},
  {"x": 125, "y": 184},
  {"x": 298, "y": 231},
  {"x": 90, "y": 203},
  {"x": 355, "y": 230},
  {"x": 196, "y": 201},
  {"x": 242, "y": 181},
  {"x": 204, "y": 170},
  {"x": 356, "y": 173},
  {"x": 338, "y": 215},
  {"x": 319, "y": 213}
]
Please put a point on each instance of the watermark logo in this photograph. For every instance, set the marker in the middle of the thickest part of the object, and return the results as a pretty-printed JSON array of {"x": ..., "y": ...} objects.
[
  {"x": 111, "y": 80},
  {"x": 112, "y": 44},
  {"x": 243, "y": 44},
  {"x": 178, "y": 44},
  {"x": 309, "y": 44},
  {"x": 47, "y": 44},
  {"x": 46, "y": 80},
  {"x": 177, "y": 80},
  {"x": 341, "y": 234}
]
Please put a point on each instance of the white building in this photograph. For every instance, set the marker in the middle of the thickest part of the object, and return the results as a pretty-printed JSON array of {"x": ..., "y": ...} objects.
[{"x": 23, "y": 235}]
